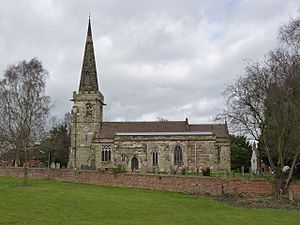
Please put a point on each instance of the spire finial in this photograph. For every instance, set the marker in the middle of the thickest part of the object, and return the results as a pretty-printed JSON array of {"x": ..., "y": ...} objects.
[{"x": 89, "y": 15}]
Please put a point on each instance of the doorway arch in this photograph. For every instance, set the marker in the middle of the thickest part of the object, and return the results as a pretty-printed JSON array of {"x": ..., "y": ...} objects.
[{"x": 134, "y": 164}]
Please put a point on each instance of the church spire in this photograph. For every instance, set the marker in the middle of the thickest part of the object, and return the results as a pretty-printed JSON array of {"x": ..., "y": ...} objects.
[{"x": 88, "y": 81}]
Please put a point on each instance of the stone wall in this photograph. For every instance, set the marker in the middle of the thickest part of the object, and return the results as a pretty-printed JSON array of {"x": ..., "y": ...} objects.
[
  {"x": 198, "y": 152},
  {"x": 186, "y": 184},
  {"x": 86, "y": 119}
]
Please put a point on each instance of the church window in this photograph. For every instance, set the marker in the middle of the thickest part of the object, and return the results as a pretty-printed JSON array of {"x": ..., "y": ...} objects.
[
  {"x": 123, "y": 157},
  {"x": 218, "y": 154},
  {"x": 155, "y": 158},
  {"x": 89, "y": 110},
  {"x": 106, "y": 153},
  {"x": 103, "y": 155},
  {"x": 177, "y": 155}
]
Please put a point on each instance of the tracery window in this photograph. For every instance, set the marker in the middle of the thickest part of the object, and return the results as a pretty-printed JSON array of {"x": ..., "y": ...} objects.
[
  {"x": 155, "y": 158},
  {"x": 177, "y": 155},
  {"x": 106, "y": 153},
  {"x": 89, "y": 110}
]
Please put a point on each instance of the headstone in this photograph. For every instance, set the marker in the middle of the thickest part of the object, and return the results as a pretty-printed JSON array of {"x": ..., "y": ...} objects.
[
  {"x": 254, "y": 160},
  {"x": 291, "y": 197},
  {"x": 52, "y": 165},
  {"x": 57, "y": 166}
]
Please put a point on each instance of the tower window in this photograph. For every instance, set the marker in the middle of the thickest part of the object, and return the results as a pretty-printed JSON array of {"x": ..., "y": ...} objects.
[
  {"x": 89, "y": 110},
  {"x": 177, "y": 155},
  {"x": 106, "y": 153},
  {"x": 155, "y": 158}
]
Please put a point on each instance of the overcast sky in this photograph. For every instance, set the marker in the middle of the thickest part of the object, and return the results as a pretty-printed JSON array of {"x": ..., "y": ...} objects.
[{"x": 165, "y": 58}]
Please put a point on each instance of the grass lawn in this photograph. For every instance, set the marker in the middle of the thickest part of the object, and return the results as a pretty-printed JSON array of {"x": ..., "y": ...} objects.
[{"x": 50, "y": 202}]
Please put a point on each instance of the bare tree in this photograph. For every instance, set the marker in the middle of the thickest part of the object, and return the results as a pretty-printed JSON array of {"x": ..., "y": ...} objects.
[
  {"x": 245, "y": 101},
  {"x": 23, "y": 108},
  {"x": 265, "y": 104},
  {"x": 289, "y": 34},
  {"x": 280, "y": 136}
]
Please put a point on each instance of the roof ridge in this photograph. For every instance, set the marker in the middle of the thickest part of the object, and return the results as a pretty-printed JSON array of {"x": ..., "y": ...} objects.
[
  {"x": 207, "y": 124},
  {"x": 181, "y": 121}
]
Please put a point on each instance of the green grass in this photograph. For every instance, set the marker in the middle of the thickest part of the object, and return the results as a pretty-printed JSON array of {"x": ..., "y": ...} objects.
[{"x": 50, "y": 202}]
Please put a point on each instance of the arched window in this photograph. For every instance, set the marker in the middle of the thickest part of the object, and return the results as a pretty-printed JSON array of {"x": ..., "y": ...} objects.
[
  {"x": 218, "y": 154},
  {"x": 106, "y": 153},
  {"x": 123, "y": 157},
  {"x": 89, "y": 110},
  {"x": 134, "y": 164},
  {"x": 155, "y": 158},
  {"x": 177, "y": 155}
]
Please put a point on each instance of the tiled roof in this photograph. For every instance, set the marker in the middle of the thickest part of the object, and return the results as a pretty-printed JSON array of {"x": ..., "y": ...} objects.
[
  {"x": 220, "y": 130},
  {"x": 109, "y": 129}
]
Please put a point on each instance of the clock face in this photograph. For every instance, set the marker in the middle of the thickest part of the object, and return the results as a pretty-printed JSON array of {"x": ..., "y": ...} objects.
[{"x": 85, "y": 129}]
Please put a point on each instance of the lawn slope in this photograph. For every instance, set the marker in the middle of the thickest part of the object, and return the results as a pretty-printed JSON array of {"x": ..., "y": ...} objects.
[{"x": 49, "y": 202}]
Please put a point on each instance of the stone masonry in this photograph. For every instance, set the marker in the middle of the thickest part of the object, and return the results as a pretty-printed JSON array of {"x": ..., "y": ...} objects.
[{"x": 158, "y": 146}]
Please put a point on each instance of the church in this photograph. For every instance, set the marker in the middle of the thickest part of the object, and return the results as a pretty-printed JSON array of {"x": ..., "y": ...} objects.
[{"x": 156, "y": 146}]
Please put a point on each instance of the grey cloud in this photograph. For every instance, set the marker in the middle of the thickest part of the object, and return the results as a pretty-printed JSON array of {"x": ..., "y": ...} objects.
[{"x": 170, "y": 58}]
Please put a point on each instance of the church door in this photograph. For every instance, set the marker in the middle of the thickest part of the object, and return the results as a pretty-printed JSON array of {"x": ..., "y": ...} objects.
[{"x": 134, "y": 164}]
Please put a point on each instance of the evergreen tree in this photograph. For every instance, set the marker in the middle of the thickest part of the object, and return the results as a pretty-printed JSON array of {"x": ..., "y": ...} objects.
[{"x": 241, "y": 152}]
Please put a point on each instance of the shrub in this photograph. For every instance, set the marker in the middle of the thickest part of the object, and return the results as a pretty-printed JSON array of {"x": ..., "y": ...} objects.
[
  {"x": 206, "y": 172},
  {"x": 119, "y": 169}
]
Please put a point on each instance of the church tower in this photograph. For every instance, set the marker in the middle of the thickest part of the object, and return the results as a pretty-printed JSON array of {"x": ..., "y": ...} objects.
[{"x": 87, "y": 110}]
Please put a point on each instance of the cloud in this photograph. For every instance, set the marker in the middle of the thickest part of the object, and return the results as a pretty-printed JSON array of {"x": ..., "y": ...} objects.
[{"x": 169, "y": 59}]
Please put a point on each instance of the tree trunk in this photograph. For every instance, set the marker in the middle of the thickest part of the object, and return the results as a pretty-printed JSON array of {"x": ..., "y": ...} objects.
[
  {"x": 17, "y": 156},
  {"x": 294, "y": 164},
  {"x": 280, "y": 188},
  {"x": 17, "y": 159},
  {"x": 25, "y": 183}
]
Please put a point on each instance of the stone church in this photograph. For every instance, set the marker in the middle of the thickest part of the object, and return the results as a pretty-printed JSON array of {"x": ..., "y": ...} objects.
[{"x": 156, "y": 146}]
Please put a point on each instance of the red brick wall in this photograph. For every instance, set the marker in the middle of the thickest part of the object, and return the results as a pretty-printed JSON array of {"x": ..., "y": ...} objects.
[
  {"x": 188, "y": 184},
  {"x": 295, "y": 189}
]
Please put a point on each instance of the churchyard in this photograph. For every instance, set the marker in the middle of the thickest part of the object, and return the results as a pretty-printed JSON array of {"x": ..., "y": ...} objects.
[{"x": 52, "y": 202}]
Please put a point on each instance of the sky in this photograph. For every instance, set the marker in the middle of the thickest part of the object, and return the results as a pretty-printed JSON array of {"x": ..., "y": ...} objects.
[{"x": 168, "y": 59}]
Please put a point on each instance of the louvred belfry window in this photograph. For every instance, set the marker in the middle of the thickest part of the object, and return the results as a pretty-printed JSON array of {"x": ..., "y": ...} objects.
[{"x": 89, "y": 110}]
